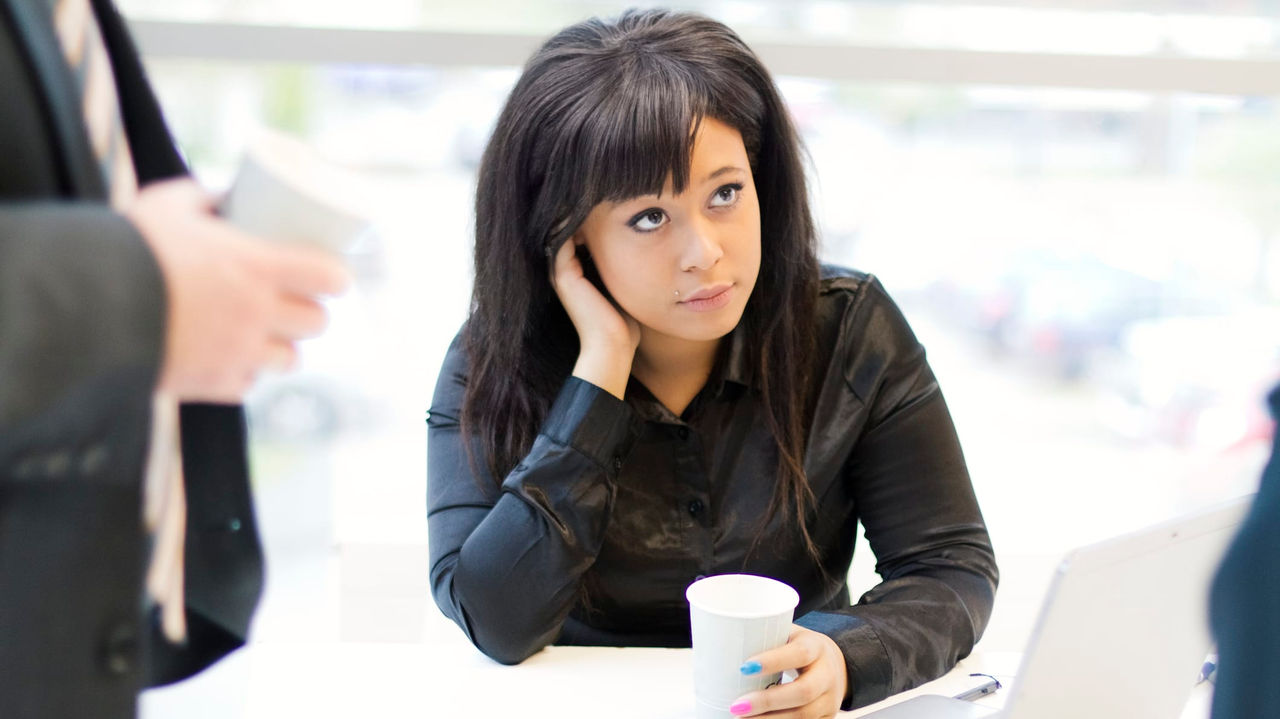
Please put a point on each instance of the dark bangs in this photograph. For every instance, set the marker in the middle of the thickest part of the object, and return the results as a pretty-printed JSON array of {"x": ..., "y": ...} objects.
[{"x": 630, "y": 125}]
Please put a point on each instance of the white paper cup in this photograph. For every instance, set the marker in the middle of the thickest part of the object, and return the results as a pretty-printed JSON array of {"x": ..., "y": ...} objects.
[
  {"x": 283, "y": 191},
  {"x": 735, "y": 616}
]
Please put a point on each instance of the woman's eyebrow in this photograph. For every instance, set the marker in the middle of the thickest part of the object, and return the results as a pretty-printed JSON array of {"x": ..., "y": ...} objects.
[{"x": 721, "y": 171}]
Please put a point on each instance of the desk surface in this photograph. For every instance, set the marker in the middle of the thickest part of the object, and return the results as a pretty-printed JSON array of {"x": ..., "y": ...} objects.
[
  {"x": 419, "y": 680},
  {"x": 426, "y": 667},
  {"x": 405, "y": 680}
]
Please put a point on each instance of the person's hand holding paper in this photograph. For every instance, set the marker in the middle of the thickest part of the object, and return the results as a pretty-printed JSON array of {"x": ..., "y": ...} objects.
[
  {"x": 236, "y": 304},
  {"x": 245, "y": 287}
]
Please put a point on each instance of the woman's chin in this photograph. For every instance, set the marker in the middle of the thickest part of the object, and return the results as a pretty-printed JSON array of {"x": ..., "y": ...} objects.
[{"x": 702, "y": 329}]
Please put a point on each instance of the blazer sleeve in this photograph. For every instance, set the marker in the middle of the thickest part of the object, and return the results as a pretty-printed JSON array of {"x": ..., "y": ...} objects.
[
  {"x": 1244, "y": 603},
  {"x": 81, "y": 297},
  {"x": 507, "y": 558},
  {"x": 920, "y": 513},
  {"x": 81, "y": 336}
]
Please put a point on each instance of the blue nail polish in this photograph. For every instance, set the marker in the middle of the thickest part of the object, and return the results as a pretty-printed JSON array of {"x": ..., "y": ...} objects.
[{"x": 750, "y": 668}]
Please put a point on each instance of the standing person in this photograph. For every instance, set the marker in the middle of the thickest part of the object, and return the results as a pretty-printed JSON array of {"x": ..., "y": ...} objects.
[
  {"x": 132, "y": 321},
  {"x": 657, "y": 382},
  {"x": 1245, "y": 604}
]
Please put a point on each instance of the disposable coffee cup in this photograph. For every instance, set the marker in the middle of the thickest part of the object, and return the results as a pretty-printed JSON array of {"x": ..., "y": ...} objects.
[
  {"x": 735, "y": 616},
  {"x": 285, "y": 192}
]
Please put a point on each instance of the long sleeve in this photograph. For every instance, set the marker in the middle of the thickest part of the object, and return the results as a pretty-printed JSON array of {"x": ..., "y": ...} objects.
[
  {"x": 507, "y": 561},
  {"x": 915, "y": 499},
  {"x": 1244, "y": 604},
  {"x": 82, "y": 327},
  {"x": 80, "y": 298},
  {"x": 81, "y": 336}
]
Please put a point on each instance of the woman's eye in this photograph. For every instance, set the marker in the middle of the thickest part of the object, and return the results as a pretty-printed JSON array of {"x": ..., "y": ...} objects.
[
  {"x": 726, "y": 196},
  {"x": 649, "y": 220}
]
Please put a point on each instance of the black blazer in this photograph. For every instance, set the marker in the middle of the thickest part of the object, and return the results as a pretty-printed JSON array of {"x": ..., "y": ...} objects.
[
  {"x": 1245, "y": 603},
  {"x": 82, "y": 312}
]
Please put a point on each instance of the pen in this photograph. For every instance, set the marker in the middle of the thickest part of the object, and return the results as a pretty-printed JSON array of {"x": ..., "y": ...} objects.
[
  {"x": 1208, "y": 671},
  {"x": 988, "y": 687}
]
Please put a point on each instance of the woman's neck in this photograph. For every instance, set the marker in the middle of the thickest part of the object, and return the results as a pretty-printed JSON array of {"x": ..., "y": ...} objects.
[{"x": 673, "y": 369}]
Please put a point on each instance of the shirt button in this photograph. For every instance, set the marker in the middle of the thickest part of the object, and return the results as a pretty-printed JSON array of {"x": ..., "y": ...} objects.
[
  {"x": 120, "y": 650},
  {"x": 617, "y": 464},
  {"x": 57, "y": 464},
  {"x": 234, "y": 525},
  {"x": 94, "y": 459},
  {"x": 695, "y": 507},
  {"x": 683, "y": 433}
]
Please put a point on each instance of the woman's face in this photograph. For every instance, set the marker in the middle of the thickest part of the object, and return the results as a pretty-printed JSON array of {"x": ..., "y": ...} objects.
[{"x": 684, "y": 265}]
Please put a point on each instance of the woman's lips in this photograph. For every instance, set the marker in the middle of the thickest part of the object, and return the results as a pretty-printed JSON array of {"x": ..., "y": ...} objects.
[{"x": 711, "y": 298}]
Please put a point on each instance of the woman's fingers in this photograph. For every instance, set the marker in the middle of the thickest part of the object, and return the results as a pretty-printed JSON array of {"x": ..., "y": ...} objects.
[
  {"x": 800, "y": 698},
  {"x": 607, "y": 336},
  {"x": 600, "y": 323},
  {"x": 562, "y": 264},
  {"x": 801, "y": 650},
  {"x": 575, "y": 291},
  {"x": 818, "y": 690}
]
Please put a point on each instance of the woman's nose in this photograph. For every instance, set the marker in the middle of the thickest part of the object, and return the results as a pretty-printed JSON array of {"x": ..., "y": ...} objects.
[{"x": 703, "y": 248}]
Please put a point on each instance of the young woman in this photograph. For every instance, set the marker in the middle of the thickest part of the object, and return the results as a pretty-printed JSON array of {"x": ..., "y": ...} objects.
[{"x": 658, "y": 382}]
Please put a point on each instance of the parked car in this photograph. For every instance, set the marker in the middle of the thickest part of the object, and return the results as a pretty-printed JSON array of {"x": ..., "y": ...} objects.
[
  {"x": 1062, "y": 313},
  {"x": 1194, "y": 381}
]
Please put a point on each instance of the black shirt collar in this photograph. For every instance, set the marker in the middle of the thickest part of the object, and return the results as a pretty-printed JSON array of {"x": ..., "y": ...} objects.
[
  {"x": 734, "y": 366},
  {"x": 729, "y": 376}
]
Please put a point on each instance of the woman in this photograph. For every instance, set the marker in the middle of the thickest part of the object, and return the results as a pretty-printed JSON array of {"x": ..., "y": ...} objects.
[{"x": 658, "y": 382}]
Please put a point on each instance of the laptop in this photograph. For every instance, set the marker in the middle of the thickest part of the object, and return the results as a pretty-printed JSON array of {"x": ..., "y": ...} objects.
[{"x": 1123, "y": 630}]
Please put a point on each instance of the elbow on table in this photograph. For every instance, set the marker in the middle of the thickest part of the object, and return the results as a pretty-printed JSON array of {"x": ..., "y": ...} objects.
[
  {"x": 504, "y": 643},
  {"x": 508, "y": 652},
  {"x": 499, "y": 630}
]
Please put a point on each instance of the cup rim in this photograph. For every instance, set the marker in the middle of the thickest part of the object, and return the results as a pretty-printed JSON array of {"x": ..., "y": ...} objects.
[{"x": 793, "y": 597}]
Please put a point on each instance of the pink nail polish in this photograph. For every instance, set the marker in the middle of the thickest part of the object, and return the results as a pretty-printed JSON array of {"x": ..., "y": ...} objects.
[{"x": 740, "y": 708}]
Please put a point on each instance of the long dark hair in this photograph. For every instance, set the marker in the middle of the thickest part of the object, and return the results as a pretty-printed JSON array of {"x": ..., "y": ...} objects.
[{"x": 603, "y": 112}]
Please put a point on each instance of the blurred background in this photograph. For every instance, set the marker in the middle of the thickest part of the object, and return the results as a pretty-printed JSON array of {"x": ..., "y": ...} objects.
[{"x": 1077, "y": 204}]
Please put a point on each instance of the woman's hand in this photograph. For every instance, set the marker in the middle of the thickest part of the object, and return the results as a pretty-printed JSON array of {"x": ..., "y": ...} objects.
[
  {"x": 607, "y": 335},
  {"x": 817, "y": 692}
]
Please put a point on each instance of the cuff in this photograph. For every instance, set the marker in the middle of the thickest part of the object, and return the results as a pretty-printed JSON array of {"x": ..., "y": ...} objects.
[
  {"x": 593, "y": 422},
  {"x": 870, "y": 678}
]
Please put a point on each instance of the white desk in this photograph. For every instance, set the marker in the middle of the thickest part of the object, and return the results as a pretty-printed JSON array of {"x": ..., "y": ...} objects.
[
  {"x": 402, "y": 658},
  {"x": 386, "y": 680},
  {"x": 406, "y": 680},
  {"x": 379, "y": 648}
]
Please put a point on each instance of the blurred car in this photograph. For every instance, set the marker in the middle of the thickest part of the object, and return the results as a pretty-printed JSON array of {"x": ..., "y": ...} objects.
[
  {"x": 1062, "y": 313},
  {"x": 1194, "y": 381}
]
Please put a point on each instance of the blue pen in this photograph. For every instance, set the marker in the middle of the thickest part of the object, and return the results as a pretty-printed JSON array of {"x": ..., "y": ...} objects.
[{"x": 988, "y": 687}]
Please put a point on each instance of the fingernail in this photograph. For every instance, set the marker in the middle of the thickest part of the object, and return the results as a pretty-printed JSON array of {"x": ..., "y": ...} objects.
[
  {"x": 740, "y": 708},
  {"x": 750, "y": 668}
]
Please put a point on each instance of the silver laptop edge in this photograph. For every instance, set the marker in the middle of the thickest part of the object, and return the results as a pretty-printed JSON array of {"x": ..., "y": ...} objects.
[{"x": 1122, "y": 630}]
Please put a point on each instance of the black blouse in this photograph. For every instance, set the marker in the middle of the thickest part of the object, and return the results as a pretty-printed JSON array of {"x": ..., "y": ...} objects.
[{"x": 620, "y": 505}]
